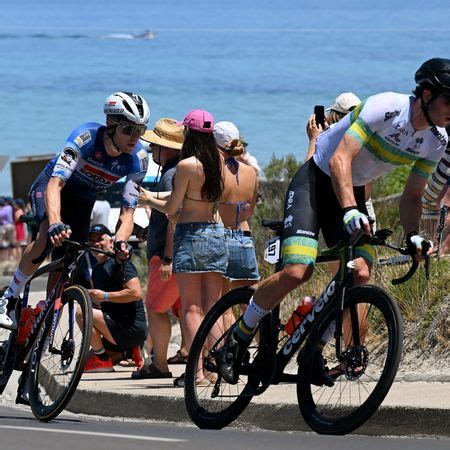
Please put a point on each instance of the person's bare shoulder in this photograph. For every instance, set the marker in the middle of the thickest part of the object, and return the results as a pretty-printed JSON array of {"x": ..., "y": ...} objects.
[
  {"x": 188, "y": 165},
  {"x": 247, "y": 171}
]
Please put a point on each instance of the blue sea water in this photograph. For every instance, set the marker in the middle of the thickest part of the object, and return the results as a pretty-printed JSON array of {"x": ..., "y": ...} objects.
[{"x": 261, "y": 64}]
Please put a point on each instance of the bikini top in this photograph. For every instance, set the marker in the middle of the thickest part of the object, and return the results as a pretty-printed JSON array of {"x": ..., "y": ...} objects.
[{"x": 233, "y": 165}]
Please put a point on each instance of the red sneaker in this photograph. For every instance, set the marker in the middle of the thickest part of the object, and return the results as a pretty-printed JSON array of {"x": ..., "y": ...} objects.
[
  {"x": 136, "y": 357},
  {"x": 96, "y": 365}
]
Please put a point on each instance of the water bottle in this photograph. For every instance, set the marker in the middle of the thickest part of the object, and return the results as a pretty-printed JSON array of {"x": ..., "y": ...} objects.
[
  {"x": 306, "y": 305},
  {"x": 28, "y": 316}
]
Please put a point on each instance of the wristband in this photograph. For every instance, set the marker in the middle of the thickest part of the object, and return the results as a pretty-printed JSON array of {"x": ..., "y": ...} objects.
[
  {"x": 349, "y": 208},
  {"x": 105, "y": 298},
  {"x": 167, "y": 259}
]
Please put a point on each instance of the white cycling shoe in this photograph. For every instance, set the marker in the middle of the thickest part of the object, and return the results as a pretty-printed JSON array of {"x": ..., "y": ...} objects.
[{"x": 6, "y": 320}]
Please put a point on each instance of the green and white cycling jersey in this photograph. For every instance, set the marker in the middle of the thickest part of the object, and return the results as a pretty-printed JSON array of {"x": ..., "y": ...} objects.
[
  {"x": 436, "y": 184},
  {"x": 382, "y": 125}
]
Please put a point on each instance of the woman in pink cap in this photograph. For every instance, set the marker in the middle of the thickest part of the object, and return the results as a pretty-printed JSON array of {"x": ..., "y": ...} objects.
[{"x": 199, "y": 253}]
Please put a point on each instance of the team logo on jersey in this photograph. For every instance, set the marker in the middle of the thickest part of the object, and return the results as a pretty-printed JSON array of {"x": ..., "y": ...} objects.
[
  {"x": 441, "y": 138},
  {"x": 69, "y": 155},
  {"x": 143, "y": 159},
  {"x": 83, "y": 138},
  {"x": 390, "y": 115},
  {"x": 394, "y": 138},
  {"x": 290, "y": 199},
  {"x": 288, "y": 221}
]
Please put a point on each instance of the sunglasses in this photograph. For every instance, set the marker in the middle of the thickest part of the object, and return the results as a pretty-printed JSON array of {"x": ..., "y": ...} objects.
[{"x": 132, "y": 130}]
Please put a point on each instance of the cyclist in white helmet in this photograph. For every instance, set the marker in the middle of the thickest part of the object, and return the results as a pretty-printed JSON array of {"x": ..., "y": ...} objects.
[{"x": 62, "y": 196}]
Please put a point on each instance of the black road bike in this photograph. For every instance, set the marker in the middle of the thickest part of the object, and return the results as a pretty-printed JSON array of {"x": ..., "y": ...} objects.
[
  {"x": 53, "y": 356},
  {"x": 353, "y": 333}
]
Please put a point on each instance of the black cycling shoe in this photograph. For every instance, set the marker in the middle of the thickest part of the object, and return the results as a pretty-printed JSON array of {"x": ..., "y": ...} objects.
[
  {"x": 229, "y": 358},
  {"x": 319, "y": 375}
]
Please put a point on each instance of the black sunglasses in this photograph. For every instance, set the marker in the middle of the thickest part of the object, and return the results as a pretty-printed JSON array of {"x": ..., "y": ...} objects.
[{"x": 132, "y": 130}]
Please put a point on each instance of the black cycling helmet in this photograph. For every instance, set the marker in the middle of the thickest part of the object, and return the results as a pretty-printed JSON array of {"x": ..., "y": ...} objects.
[{"x": 435, "y": 73}]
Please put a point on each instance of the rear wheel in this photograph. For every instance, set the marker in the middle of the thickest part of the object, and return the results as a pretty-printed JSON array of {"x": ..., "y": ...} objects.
[
  {"x": 211, "y": 402},
  {"x": 365, "y": 373},
  {"x": 55, "y": 369}
]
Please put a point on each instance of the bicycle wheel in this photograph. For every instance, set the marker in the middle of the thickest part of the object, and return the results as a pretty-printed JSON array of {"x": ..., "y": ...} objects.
[
  {"x": 56, "y": 370},
  {"x": 363, "y": 377},
  {"x": 210, "y": 401}
]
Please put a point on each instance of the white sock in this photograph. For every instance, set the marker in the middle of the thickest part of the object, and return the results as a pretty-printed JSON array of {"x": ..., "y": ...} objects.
[
  {"x": 253, "y": 314},
  {"x": 17, "y": 284}
]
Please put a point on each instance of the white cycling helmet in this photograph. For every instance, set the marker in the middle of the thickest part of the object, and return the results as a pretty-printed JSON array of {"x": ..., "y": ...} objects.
[{"x": 127, "y": 106}]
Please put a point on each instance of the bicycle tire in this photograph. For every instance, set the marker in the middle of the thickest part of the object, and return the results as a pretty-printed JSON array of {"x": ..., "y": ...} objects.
[
  {"x": 48, "y": 396},
  {"x": 209, "y": 412},
  {"x": 330, "y": 410}
]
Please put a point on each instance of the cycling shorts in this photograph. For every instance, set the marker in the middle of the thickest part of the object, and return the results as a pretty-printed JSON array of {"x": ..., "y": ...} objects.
[
  {"x": 311, "y": 205},
  {"x": 75, "y": 212}
]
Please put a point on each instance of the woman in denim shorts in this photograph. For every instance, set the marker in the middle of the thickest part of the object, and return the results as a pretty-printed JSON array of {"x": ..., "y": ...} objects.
[
  {"x": 235, "y": 207},
  {"x": 199, "y": 260}
]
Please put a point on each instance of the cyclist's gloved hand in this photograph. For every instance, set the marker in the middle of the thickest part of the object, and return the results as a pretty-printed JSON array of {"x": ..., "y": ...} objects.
[
  {"x": 353, "y": 219},
  {"x": 418, "y": 245},
  {"x": 123, "y": 251},
  {"x": 57, "y": 232}
]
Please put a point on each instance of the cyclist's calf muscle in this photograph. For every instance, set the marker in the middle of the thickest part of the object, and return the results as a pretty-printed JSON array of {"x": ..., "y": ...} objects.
[{"x": 34, "y": 250}]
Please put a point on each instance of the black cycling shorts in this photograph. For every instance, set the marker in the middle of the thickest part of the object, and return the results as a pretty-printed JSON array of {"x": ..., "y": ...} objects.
[
  {"x": 311, "y": 205},
  {"x": 75, "y": 211}
]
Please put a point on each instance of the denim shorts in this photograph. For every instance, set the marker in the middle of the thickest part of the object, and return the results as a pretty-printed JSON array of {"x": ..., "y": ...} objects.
[
  {"x": 199, "y": 247},
  {"x": 242, "y": 263}
]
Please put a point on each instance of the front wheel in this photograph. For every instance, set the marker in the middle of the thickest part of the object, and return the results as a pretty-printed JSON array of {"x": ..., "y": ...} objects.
[
  {"x": 372, "y": 341},
  {"x": 59, "y": 354},
  {"x": 211, "y": 402}
]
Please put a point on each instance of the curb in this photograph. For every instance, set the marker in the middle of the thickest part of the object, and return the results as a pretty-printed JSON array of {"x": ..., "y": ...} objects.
[{"x": 276, "y": 417}]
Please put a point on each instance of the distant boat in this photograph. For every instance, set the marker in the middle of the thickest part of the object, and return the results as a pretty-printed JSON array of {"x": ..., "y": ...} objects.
[{"x": 147, "y": 35}]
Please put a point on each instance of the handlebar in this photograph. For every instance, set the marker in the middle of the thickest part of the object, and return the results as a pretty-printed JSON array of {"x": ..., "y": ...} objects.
[
  {"x": 379, "y": 239},
  {"x": 73, "y": 244}
]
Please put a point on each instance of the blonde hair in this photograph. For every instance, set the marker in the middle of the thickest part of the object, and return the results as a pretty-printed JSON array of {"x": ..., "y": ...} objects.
[{"x": 235, "y": 147}]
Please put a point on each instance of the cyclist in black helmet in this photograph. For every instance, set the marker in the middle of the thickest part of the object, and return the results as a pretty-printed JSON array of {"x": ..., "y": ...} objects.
[
  {"x": 62, "y": 196},
  {"x": 327, "y": 192}
]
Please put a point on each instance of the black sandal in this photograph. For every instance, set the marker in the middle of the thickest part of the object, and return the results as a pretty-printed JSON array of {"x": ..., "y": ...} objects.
[
  {"x": 149, "y": 372},
  {"x": 178, "y": 358}
]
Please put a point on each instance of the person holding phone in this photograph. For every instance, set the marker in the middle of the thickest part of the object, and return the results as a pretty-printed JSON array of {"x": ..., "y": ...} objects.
[{"x": 318, "y": 121}]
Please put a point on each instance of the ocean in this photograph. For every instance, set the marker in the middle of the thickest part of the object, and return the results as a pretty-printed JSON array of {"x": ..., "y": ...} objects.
[{"x": 260, "y": 64}]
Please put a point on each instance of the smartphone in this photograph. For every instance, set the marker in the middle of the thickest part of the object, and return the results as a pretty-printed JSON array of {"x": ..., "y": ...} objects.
[{"x": 319, "y": 111}]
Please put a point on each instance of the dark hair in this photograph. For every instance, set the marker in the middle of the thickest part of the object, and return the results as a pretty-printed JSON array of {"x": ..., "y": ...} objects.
[{"x": 203, "y": 147}]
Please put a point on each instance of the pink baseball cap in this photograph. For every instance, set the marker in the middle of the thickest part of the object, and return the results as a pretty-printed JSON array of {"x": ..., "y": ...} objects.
[{"x": 199, "y": 120}]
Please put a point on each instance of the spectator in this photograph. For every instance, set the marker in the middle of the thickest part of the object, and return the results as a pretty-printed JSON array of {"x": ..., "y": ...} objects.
[
  {"x": 199, "y": 251},
  {"x": 120, "y": 322},
  {"x": 101, "y": 209},
  {"x": 236, "y": 207},
  {"x": 8, "y": 228},
  {"x": 21, "y": 231},
  {"x": 165, "y": 141},
  {"x": 342, "y": 105}
]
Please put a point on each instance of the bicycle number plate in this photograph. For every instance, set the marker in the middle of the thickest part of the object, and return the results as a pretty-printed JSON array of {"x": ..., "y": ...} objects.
[{"x": 272, "y": 251}]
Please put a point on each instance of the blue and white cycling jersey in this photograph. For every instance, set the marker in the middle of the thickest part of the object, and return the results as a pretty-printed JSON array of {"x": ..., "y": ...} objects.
[{"x": 87, "y": 169}]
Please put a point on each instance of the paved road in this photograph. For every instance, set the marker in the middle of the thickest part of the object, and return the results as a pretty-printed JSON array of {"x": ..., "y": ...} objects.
[{"x": 20, "y": 430}]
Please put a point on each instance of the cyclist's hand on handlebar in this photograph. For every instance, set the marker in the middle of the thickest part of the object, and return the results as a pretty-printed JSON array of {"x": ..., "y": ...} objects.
[
  {"x": 58, "y": 232},
  {"x": 123, "y": 251},
  {"x": 355, "y": 220},
  {"x": 418, "y": 246}
]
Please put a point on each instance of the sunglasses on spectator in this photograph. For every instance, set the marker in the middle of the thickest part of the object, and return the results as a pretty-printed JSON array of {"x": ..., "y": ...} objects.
[{"x": 132, "y": 130}]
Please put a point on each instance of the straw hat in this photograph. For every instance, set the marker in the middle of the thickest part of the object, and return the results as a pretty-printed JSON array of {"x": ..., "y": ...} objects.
[{"x": 167, "y": 133}]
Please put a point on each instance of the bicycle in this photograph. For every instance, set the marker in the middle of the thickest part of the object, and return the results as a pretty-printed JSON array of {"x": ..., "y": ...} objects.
[
  {"x": 53, "y": 355},
  {"x": 353, "y": 333}
]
